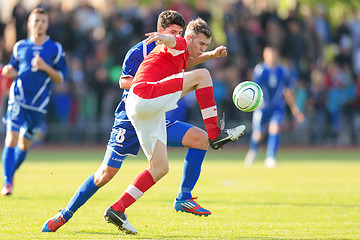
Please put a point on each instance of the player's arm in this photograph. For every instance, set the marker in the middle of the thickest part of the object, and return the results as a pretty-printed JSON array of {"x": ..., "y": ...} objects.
[
  {"x": 217, "y": 52},
  {"x": 290, "y": 100},
  {"x": 166, "y": 39},
  {"x": 125, "y": 82},
  {"x": 55, "y": 75},
  {"x": 9, "y": 71}
]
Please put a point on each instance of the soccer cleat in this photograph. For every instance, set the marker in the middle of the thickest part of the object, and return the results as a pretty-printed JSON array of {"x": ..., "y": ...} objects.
[
  {"x": 250, "y": 158},
  {"x": 53, "y": 223},
  {"x": 7, "y": 189},
  {"x": 190, "y": 206},
  {"x": 226, "y": 136},
  {"x": 119, "y": 219},
  {"x": 270, "y": 162}
]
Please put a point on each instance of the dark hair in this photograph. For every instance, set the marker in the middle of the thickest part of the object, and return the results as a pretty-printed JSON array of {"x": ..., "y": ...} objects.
[
  {"x": 170, "y": 17},
  {"x": 38, "y": 10},
  {"x": 198, "y": 26}
]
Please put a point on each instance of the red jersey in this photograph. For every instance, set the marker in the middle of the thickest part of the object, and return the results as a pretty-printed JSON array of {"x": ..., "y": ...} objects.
[{"x": 161, "y": 63}]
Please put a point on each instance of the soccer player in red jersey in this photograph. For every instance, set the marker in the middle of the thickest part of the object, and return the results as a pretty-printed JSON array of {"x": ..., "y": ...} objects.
[{"x": 159, "y": 83}]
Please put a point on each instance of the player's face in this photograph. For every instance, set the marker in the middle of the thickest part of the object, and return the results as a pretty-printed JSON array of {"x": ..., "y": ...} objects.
[
  {"x": 38, "y": 24},
  {"x": 197, "y": 44},
  {"x": 172, "y": 29},
  {"x": 270, "y": 56}
]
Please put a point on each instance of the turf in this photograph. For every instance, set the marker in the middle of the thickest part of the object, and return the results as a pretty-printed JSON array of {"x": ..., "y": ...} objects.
[{"x": 312, "y": 194}]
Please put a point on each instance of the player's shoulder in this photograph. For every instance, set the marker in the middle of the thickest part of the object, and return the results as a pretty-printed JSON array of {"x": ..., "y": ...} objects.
[{"x": 259, "y": 68}]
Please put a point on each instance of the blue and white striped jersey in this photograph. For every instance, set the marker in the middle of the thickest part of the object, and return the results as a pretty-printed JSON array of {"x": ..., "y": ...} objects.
[
  {"x": 272, "y": 81},
  {"x": 32, "y": 87}
]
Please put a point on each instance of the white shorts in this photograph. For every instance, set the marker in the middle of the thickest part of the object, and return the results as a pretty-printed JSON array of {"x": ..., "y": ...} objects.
[{"x": 148, "y": 118}]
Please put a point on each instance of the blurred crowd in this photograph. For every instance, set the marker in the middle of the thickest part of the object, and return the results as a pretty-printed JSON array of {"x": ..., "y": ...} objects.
[{"x": 323, "y": 58}]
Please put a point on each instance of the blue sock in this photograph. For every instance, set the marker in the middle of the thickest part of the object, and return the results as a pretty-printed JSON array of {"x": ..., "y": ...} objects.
[
  {"x": 191, "y": 172},
  {"x": 272, "y": 145},
  {"x": 8, "y": 163},
  {"x": 84, "y": 192},
  {"x": 20, "y": 156}
]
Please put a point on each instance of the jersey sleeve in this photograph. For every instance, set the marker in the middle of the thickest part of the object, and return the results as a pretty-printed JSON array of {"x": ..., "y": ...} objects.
[
  {"x": 14, "y": 60},
  {"x": 60, "y": 62},
  {"x": 258, "y": 70},
  {"x": 180, "y": 43}
]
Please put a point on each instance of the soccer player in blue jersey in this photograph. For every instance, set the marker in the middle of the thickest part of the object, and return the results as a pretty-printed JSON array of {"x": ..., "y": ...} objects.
[
  {"x": 123, "y": 139},
  {"x": 36, "y": 63},
  {"x": 274, "y": 80}
]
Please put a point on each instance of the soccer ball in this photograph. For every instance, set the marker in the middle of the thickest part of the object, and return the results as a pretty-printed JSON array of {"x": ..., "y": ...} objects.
[{"x": 248, "y": 96}]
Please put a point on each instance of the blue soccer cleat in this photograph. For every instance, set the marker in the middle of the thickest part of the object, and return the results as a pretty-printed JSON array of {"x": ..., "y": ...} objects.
[
  {"x": 190, "y": 206},
  {"x": 53, "y": 223}
]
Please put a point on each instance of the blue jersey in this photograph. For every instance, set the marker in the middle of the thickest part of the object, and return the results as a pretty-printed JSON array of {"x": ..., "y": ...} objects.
[
  {"x": 32, "y": 87},
  {"x": 272, "y": 81}
]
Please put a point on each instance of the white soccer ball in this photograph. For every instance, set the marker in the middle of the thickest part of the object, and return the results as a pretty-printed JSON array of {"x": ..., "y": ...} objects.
[{"x": 248, "y": 96}]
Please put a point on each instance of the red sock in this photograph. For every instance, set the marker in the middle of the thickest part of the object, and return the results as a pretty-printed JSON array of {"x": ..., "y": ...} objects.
[
  {"x": 206, "y": 100},
  {"x": 139, "y": 186}
]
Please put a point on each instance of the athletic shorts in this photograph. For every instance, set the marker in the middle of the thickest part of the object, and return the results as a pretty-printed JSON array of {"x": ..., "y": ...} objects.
[
  {"x": 24, "y": 120},
  {"x": 148, "y": 118},
  {"x": 123, "y": 140},
  {"x": 263, "y": 117}
]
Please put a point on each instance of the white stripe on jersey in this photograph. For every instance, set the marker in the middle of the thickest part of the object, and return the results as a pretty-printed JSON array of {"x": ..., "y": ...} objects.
[
  {"x": 16, "y": 48},
  {"x": 58, "y": 56},
  {"x": 209, "y": 112},
  {"x": 175, "y": 52},
  {"x": 134, "y": 192},
  {"x": 41, "y": 90},
  {"x": 144, "y": 49},
  {"x": 45, "y": 102}
]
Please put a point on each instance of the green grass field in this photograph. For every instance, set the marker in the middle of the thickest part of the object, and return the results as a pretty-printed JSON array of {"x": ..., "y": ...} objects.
[{"x": 312, "y": 194}]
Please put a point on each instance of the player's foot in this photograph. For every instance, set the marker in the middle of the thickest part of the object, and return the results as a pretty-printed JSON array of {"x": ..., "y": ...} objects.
[
  {"x": 7, "y": 189},
  {"x": 119, "y": 219},
  {"x": 190, "y": 206},
  {"x": 226, "y": 136},
  {"x": 270, "y": 162},
  {"x": 250, "y": 158},
  {"x": 53, "y": 223}
]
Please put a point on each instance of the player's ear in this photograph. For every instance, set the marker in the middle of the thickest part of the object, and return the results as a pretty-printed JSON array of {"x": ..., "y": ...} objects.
[
  {"x": 188, "y": 38},
  {"x": 160, "y": 30}
]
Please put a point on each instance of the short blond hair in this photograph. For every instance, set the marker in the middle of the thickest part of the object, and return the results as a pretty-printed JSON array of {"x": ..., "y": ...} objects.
[{"x": 198, "y": 26}]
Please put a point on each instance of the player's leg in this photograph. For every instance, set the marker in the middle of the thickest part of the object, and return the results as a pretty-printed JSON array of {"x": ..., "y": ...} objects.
[
  {"x": 258, "y": 124},
  {"x": 8, "y": 161},
  {"x": 273, "y": 140},
  {"x": 14, "y": 120},
  {"x": 200, "y": 81},
  {"x": 182, "y": 134},
  {"x": 21, "y": 151},
  {"x": 158, "y": 168}
]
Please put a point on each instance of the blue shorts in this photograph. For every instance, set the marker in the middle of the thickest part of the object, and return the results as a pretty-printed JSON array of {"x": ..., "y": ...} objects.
[
  {"x": 123, "y": 140},
  {"x": 263, "y": 117},
  {"x": 28, "y": 121}
]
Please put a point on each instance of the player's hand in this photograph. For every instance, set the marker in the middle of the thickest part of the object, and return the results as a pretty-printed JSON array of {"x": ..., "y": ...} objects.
[
  {"x": 166, "y": 39},
  {"x": 39, "y": 63},
  {"x": 9, "y": 71},
  {"x": 220, "y": 51}
]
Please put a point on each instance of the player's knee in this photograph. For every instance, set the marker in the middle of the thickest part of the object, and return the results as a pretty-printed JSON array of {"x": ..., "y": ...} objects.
[
  {"x": 256, "y": 136},
  {"x": 11, "y": 140},
  {"x": 204, "y": 74},
  {"x": 196, "y": 138},
  {"x": 103, "y": 176}
]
